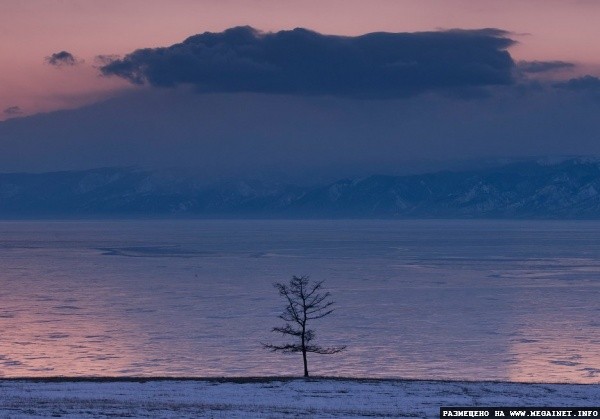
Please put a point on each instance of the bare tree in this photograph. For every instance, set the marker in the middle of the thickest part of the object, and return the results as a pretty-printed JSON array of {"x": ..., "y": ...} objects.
[{"x": 304, "y": 302}]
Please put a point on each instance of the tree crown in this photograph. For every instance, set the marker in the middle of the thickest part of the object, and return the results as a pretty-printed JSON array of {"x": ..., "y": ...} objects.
[{"x": 305, "y": 301}]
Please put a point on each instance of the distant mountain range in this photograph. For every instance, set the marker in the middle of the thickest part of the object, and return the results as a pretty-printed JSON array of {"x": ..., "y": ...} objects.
[{"x": 534, "y": 189}]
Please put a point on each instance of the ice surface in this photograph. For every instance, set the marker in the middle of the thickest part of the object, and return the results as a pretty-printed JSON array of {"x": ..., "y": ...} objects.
[{"x": 475, "y": 300}]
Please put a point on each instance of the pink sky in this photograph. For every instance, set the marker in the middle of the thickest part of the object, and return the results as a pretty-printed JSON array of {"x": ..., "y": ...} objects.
[{"x": 33, "y": 29}]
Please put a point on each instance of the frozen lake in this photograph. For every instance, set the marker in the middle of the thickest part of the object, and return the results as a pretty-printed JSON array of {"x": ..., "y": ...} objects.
[{"x": 475, "y": 300}]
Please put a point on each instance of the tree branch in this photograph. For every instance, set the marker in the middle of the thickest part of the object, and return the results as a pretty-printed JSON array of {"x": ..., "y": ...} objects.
[
  {"x": 287, "y": 330},
  {"x": 288, "y": 348},
  {"x": 325, "y": 351}
]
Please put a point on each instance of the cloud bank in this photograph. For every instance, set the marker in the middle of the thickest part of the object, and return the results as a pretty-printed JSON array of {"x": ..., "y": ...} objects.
[
  {"x": 304, "y": 137},
  {"x": 303, "y": 62}
]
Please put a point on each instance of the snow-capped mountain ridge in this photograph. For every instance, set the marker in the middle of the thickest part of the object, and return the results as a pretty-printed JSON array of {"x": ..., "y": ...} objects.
[{"x": 535, "y": 189}]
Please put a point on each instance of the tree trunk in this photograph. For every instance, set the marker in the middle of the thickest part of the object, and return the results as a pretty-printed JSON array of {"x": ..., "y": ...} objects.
[
  {"x": 305, "y": 362},
  {"x": 303, "y": 338}
]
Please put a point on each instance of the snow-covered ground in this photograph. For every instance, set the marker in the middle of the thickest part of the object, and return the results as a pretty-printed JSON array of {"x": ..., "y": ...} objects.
[{"x": 273, "y": 398}]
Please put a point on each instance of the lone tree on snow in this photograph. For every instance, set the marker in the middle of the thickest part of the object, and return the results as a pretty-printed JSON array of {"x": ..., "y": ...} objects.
[{"x": 304, "y": 302}]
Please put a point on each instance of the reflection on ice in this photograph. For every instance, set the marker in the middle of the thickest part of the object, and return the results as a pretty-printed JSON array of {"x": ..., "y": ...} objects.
[{"x": 561, "y": 341}]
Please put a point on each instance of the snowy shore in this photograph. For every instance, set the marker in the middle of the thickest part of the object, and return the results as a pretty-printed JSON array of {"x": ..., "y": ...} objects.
[{"x": 272, "y": 397}]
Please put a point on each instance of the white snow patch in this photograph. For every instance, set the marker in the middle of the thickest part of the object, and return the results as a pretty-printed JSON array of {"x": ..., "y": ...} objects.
[{"x": 247, "y": 398}]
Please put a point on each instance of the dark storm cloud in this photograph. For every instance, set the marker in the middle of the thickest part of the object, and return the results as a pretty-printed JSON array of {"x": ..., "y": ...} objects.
[
  {"x": 13, "y": 110},
  {"x": 585, "y": 83},
  {"x": 543, "y": 66},
  {"x": 303, "y": 62},
  {"x": 62, "y": 58}
]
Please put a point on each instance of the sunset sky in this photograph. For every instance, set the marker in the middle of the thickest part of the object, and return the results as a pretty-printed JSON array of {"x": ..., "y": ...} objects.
[{"x": 545, "y": 101}]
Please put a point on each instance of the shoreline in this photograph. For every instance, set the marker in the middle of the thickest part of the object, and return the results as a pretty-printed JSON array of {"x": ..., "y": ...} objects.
[{"x": 268, "y": 379}]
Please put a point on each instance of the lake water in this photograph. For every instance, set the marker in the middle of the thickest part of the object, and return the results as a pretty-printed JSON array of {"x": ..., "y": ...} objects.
[{"x": 492, "y": 300}]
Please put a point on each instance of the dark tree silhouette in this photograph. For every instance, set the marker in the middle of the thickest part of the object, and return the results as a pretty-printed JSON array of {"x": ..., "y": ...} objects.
[{"x": 304, "y": 302}]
